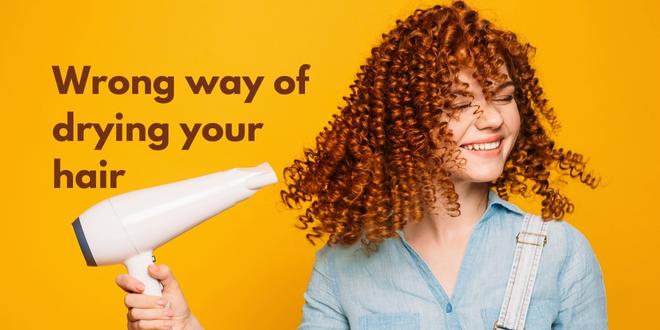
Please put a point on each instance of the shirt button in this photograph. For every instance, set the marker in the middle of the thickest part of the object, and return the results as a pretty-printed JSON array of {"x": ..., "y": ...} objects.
[{"x": 448, "y": 309}]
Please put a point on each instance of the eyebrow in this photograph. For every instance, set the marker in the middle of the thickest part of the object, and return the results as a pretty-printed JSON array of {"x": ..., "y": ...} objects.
[{"x": 497, "y": 89}]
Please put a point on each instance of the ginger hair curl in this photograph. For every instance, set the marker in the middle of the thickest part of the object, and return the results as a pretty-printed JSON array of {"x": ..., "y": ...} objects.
[{"x": 378, "y": 164}]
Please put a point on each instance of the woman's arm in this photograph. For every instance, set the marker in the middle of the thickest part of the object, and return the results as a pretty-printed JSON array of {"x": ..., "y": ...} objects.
[
  {"x": 582, "y": 289},
  {"x": 322, "y": 309}
]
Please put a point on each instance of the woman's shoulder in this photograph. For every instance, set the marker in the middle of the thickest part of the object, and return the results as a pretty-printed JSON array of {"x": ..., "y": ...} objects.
[
  {"x": 561, "y": 232},
  {"x": 567, "y": 242},
  {"x": 355, "y": 250},
  {"x": 352, "y": 257},
  {"x": 566, "y": 232}
]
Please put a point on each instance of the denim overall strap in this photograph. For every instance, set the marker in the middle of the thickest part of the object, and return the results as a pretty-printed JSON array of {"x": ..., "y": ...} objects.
[{"x": 529, "y": 244}]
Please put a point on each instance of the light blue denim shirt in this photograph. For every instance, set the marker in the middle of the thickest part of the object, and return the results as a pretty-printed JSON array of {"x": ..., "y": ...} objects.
[{"x": 395, "y": 289}]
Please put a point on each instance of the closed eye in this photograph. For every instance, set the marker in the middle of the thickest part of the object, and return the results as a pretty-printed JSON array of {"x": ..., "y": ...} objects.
[
  {"x": 461, "y": 106},
  {"x": 504, "y": 99}
]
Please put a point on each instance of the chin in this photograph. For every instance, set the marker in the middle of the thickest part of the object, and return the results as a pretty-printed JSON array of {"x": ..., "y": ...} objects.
[
  {"x": 482, "y": 174},
  {"x": 484, "y": 178}
]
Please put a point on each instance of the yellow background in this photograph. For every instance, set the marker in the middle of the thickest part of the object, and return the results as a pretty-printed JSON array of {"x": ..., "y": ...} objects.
[{"x": 248, "y": 267}]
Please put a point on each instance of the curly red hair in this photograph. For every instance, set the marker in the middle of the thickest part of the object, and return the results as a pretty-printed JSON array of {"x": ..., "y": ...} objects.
[{"x": 374, "y": 169}]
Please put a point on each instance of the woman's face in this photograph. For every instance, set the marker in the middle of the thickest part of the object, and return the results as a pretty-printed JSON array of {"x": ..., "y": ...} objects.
[{"x": 485, "y": 130}]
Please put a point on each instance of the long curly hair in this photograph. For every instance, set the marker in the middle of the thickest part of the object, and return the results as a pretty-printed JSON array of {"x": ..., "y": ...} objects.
[{"x": 379, "y": 165}]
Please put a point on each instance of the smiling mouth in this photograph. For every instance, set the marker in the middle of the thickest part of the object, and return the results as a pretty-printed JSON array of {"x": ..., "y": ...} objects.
[{"x": 483, "y": 146}]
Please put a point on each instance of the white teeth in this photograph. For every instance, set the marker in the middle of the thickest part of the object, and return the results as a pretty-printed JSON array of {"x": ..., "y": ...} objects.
[{"x": 483, "y": 146}]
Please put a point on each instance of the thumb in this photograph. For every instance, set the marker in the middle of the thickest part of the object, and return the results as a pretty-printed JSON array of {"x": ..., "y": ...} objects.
[{"x": 164, "y": 275}]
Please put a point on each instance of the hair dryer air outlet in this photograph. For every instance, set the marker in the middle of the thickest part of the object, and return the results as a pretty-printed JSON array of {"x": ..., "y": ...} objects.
[{"x": 127, "y": 228}]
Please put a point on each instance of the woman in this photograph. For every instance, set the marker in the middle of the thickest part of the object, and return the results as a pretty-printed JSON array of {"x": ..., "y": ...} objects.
[{"x": 411, "y": 185}]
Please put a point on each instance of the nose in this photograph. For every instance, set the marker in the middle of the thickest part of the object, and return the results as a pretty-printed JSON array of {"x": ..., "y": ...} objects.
[{"x": 488, "y": 116}]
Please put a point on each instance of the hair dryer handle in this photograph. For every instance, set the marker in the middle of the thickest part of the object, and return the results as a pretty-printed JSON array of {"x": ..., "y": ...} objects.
[{"x": 137, "y": 267}]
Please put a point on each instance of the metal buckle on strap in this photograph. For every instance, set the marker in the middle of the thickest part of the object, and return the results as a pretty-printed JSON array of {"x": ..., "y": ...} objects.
[
  {"x": 545, "y": 238},
  {"x": 499, "y": 327}
]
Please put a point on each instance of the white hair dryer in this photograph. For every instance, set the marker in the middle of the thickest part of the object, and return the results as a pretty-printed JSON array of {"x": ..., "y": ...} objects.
[{"x": 127, "y": 228}]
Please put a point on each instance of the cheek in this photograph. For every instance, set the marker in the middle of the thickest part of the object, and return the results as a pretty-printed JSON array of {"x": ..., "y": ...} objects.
[
  {"x": 457, "y": 127},
  {"x": 512, "y": 120},
  {"x": 455, "y": 131}
]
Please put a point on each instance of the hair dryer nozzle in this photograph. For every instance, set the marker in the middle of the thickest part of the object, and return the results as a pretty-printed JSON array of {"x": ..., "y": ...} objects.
[{"x": 266, "y": 176}]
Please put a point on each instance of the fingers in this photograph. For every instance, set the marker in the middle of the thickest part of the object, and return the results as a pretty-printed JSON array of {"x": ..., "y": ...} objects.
[
  {"x": 129, "y": 283},
  {"x": 136, "y": 314},
  {"x": 132, "y": 285},
  {"x": 151, "y": 312},
  {"x": 135, "y": 300},
  {"x": 163, "y": 273},
  {"x": 149, "y": 324}
]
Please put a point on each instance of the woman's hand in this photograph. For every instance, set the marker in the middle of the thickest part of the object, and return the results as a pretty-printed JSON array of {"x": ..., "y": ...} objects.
[{"x": 148, "y": 312}]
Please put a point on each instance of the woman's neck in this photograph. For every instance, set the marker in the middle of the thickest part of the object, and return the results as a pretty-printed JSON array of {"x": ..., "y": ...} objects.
[{"x": 439, "y": 227}]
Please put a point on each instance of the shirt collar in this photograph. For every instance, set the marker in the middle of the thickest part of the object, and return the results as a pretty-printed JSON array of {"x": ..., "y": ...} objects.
[{"x": 493, "y": 198}]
